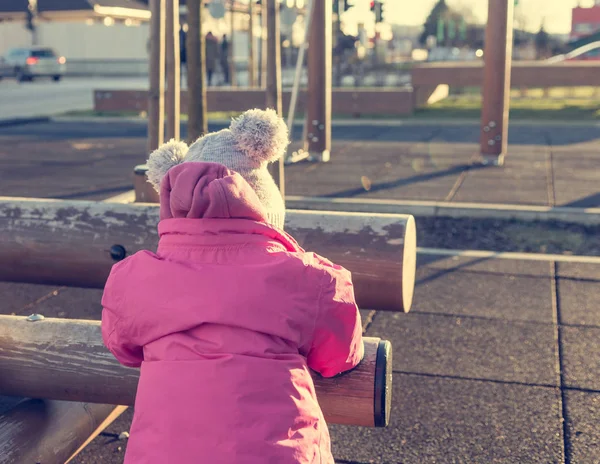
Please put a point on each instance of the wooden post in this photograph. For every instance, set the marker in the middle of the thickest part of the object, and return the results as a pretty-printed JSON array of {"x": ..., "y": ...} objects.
[
  {"x": 156, "y": 95},
  {"x": 263, "y": 43},
  {"x": 66, "y": 360},
  {"x": 319, "y": 82},
  {"x": 50, "y": 431},
  {"x": 75, "y": 243},
  {"x": 196, "y": 68},
  {"x": 251, "y": 47},
  {"x": 273, "y": 95},
  {"x": 173, "y": 70},
  {"x": 232, "y": 76},
  {"x": 496, "y": 81}
]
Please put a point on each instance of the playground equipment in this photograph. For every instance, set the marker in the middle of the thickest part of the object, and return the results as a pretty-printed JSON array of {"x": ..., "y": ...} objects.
[
  {"x": 66, "y": 360},
  {"x": 76, "y": 242},
  {"x": 75, "y": 380}
]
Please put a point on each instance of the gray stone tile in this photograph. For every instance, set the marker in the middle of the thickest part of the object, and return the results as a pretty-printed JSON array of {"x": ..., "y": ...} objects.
[
  {"x": 486, "y": 265},
  {"x": 470, "y": 348},
  {"x": 104, "y": 449},
  {"x": 583, "y": 426},
  {"x": 577, "y": 193},
  {"x": 578, "y": 270},
  {"x": 437, "y": 420},
  {"x": 503, "y": 190},
  {"x": 19, "y": 298},
  {"x": 581, "y": 357},
  {"x": 506, "y": 297},
  {"x": 73, "y": 303},
  {"x": 579, "y": 302}
]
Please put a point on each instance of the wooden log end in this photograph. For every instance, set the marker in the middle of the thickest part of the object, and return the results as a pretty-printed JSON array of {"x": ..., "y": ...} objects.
[
  {"x": 409, "y": 264},
  {"x": 383, "y": 384}
]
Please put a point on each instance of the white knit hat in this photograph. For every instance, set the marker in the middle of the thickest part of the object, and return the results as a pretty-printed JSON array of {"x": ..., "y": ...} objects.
[{"x": 252, "y": 141}]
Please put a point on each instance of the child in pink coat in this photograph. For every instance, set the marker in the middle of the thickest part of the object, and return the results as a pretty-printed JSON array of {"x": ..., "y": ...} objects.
[{"x": 229, "y": 314}]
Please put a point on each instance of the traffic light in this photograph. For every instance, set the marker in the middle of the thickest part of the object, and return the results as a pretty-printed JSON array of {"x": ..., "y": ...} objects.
[
  {"x": 379, "y": 13},
  {"x": 377, "y": 8},
  {"x": 30, "y": 14},
  {"x": 29, "y": 20}
]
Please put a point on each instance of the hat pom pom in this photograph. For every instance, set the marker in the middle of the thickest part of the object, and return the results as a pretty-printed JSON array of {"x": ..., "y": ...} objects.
[
  {"x": 164, "y": 158},
  {"x": 261, "y": 134}
]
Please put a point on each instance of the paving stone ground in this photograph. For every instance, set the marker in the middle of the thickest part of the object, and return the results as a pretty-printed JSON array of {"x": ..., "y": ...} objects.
[{"x": 498, "y": 360}]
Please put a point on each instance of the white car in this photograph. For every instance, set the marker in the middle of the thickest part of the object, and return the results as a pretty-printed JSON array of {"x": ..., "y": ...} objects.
[{"x": 26, "y": 64}]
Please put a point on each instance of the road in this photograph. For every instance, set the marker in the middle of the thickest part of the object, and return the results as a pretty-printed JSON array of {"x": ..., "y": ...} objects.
[
  {"x": 44, "y": 98},
  {"x": 47, "y": 98}
]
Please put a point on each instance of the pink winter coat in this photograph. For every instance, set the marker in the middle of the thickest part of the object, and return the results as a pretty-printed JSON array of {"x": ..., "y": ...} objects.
[{"x": 225, "y": 320}]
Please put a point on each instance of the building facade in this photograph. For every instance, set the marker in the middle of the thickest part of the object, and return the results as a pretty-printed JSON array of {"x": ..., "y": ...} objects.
[{"x": 585, "y": 21}]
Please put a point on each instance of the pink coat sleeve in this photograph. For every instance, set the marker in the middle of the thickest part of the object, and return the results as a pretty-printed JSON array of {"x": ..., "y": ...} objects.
[
  {"x": 114, "y": 333},
  {"x": 126, "y": 352},
  {"x": 337, "y": 344}
]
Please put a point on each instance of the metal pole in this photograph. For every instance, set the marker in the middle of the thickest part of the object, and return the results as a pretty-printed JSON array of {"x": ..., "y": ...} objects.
[
  {"x": 319, "y": 82},
  {"x": 173, "y": 70},
  {"x": 156, "y": 95},
  {"x": 295, "y": 89},
  {"x": 196, "y": 67},
  {"x": 496, "y": 81},
  {"x": 273, "y": 94},
  {"x": 251, "y": 47}
]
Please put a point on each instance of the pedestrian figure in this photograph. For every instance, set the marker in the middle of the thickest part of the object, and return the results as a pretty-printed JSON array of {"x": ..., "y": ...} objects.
[
  {"x": 212, "y": 55},
  {"x": 224, "y": 57}
]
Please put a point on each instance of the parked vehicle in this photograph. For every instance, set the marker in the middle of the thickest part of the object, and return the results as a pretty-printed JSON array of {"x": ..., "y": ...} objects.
[{"x": 26, "y": 64}]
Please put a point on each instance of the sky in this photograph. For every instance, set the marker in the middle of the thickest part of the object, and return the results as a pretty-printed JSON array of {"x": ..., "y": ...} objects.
[{"x": 556, "y": 14}]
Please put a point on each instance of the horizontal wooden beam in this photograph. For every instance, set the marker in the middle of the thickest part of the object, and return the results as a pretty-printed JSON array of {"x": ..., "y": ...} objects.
[
  {"x": 65, "y": 359},
  {"x": 350, "y": 102},
  {"x": 49, "y": 431},
  {"x": 75, "y": 243},
  {"x": 523, "y": 74}
]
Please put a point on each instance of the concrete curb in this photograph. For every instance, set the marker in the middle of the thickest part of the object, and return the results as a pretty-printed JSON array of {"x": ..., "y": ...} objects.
[
  {"x": 22, "y": 121},
  {"x": 351, "y": 122},
  {"x": 583, "y": 216}
]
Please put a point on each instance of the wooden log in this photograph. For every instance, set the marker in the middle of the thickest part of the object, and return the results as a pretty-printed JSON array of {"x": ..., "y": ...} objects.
[
  {"x": 48, "y": 431},
  {"x": 75, "y": 243},
  {"x": 65, "y": 359}
]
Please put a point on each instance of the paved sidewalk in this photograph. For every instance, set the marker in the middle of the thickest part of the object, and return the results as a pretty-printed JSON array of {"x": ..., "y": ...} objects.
[
  {"x": 546, "y": 166},
  {"x": 498, "y": 360}
]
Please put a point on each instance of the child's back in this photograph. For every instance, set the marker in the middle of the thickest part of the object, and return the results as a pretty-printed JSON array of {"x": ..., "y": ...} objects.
[{"x": 225, "y": 320}]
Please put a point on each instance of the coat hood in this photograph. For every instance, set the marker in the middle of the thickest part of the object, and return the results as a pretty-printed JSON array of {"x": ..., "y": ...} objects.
[{"x": 198, "y": 190}]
